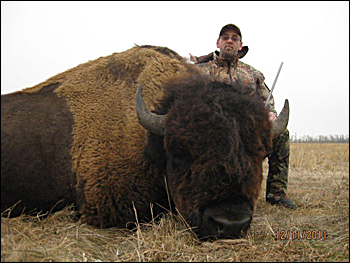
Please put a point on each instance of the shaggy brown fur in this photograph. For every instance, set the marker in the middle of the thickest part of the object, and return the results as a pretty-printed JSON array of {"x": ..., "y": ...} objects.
[
  {"x": 209, "y": 132},
  {"x": 107, "y": 158},
  {"x": 107, "y": 139},
  {"x": 215, "y": 141},
  {"x": 36, "y": 166}
]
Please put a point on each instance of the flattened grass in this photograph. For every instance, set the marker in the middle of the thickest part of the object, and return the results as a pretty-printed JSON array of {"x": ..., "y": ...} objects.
[{"x": 318, "y": 183}]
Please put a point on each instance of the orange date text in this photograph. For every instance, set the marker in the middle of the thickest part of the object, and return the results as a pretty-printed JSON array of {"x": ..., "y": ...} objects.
[{"x": 301, "y": 234}]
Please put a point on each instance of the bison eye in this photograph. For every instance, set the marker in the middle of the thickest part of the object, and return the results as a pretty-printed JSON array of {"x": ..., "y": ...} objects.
[
  {"x": 178, "y": 164},
  {"x": 261, "y": 148},
  {"x": 176, "y": 161}
]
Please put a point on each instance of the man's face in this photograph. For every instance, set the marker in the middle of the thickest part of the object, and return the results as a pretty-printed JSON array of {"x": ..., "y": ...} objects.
[{"x": 229, "y": 44}]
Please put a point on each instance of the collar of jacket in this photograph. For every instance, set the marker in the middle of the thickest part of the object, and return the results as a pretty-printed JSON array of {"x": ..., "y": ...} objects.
[
  {"x": 210, "y": 56},
  {"x": 221, "y": 62}
]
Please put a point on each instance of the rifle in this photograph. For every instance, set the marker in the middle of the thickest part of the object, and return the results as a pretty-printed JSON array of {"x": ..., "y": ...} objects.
[{"x": 273, "y": 86}]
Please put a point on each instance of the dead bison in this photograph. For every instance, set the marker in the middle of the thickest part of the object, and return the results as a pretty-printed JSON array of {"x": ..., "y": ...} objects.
[{"x": 76, "y": 138}]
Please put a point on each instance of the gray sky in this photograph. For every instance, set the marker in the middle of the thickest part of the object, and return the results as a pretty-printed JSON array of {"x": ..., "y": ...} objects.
[{"x": 42, "y": 39}]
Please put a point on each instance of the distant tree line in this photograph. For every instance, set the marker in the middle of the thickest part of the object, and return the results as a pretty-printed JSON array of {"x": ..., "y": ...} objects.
[{"x": 320, "y": 139}]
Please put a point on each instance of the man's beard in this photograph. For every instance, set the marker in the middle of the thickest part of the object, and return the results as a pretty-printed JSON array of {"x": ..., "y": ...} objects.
[{"x": 228, "y": 54}]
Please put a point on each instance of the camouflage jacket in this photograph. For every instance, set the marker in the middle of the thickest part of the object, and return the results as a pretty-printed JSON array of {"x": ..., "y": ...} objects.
[{"x": 221, "y": 70}]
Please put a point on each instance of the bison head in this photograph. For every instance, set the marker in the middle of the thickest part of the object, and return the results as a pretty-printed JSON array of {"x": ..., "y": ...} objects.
[{"x": 210, "y": 140}]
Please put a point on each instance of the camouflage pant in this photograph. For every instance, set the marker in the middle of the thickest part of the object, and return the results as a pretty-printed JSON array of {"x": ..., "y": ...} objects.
[{"x": 277, "y": 178}]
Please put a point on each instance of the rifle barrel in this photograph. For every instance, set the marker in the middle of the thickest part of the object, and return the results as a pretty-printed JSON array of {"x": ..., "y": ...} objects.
[{"x": 273, "y": 85}]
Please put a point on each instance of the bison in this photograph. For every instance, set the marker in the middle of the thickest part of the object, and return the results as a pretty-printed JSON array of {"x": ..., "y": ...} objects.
[{"x": 184, "y": 140}]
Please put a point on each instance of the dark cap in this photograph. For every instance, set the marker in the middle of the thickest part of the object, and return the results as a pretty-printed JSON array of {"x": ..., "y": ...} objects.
[{"x": 230, "y": 26}]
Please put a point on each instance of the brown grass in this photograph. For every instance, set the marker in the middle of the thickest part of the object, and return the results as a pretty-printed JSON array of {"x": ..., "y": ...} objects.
[{"x": 318, "y": 183}]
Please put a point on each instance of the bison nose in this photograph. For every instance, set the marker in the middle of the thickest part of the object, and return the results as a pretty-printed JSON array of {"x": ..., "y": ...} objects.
[
  {"x": 227, "y": 228},
  {"x": 226, "y": 221}
]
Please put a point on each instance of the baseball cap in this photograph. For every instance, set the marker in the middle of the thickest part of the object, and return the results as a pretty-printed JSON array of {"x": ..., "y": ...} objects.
[{"x": 230, "y": 26}]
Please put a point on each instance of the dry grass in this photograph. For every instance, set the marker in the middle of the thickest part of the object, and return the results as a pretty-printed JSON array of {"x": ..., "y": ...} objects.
[{"x": 318, "y": 183}]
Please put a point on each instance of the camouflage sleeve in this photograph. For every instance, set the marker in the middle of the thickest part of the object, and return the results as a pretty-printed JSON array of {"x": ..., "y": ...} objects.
[
  {"x": 264, "y": 91},
  {"x": 205, "y": 68}
]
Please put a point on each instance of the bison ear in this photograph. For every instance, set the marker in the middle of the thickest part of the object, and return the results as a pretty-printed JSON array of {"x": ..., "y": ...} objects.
[{"x": 243, "y": 52}]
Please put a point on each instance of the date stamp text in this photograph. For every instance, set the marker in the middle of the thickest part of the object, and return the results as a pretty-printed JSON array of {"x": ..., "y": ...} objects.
[{"x": 301, "y": 234}]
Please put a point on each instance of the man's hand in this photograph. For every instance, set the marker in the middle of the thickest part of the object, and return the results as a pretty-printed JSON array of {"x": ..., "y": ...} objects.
[{"x": 272, "y": 116}]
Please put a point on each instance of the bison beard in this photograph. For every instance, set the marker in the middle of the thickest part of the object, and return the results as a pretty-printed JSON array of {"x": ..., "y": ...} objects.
[{"x": 216, "y": 138}]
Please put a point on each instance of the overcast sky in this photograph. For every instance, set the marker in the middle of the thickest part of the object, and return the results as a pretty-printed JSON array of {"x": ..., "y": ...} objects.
[{"x": 42, "y": 39}]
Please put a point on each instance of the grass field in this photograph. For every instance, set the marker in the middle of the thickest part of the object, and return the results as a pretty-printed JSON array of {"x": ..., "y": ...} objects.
[{"x": 317, "y": 231}]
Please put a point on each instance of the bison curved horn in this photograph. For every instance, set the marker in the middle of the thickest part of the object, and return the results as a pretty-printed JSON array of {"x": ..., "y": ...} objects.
[
  {"x": 280, "y": 124},
  {"x": 150, "y": 121}
]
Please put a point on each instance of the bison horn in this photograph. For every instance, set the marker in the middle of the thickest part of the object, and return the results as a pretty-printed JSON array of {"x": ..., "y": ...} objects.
[
  {"x": 150, "y": 121},
  {"x": 280, "y": 124}
]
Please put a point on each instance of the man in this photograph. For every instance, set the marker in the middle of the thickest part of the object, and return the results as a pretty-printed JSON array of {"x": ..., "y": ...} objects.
[{"x": 226, "y": 66}]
